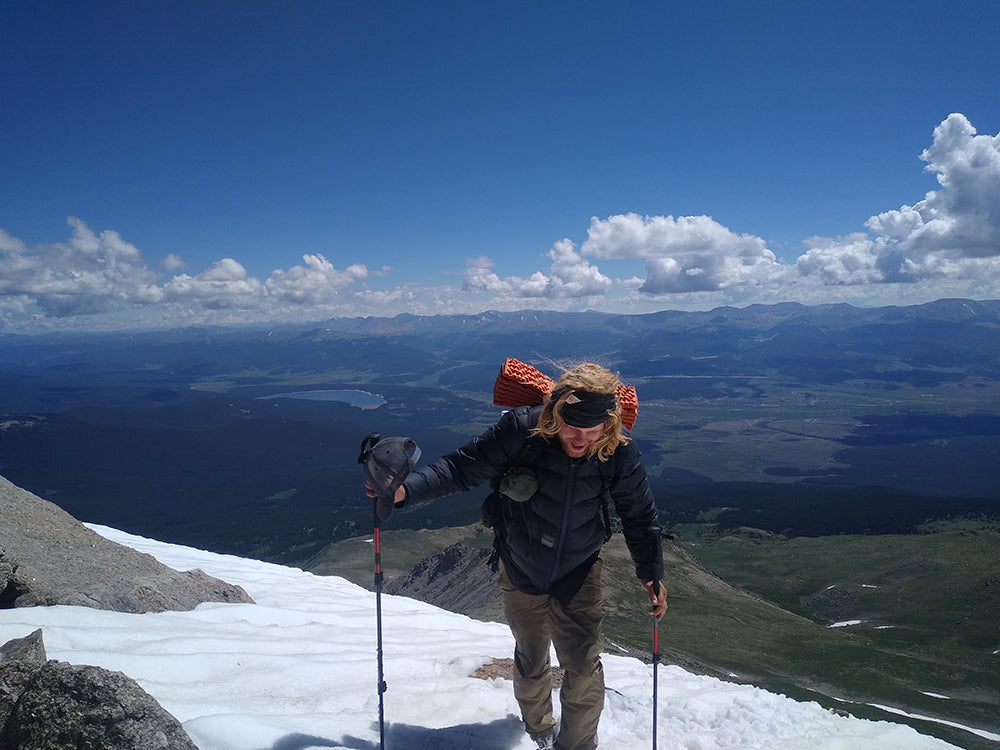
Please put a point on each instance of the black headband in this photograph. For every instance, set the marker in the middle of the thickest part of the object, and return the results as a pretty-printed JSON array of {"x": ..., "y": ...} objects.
[{"x": 584, "y": 409}]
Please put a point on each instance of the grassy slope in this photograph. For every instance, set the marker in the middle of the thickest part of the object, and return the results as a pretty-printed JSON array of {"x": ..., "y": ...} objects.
[
  {"x": 926, "y": 607},
  {"x": 766, "y": 629}
]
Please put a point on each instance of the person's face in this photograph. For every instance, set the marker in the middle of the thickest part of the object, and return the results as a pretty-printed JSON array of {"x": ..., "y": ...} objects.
[{"x": 576, "y": 441}]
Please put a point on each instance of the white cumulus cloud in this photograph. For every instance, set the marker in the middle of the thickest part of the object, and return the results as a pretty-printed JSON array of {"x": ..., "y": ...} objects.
[
  {"x": 952, "y": 233},
  {"x": 316, "y": 282},
  {"x": 223, "y": 284},
  {"x": 94, "y": 274},
  {"x": 570, "y": 276},
  {"x": 172, "y": 262},
  {"x": 90, "y": 273},
  {"x": 686, "y": 254}
]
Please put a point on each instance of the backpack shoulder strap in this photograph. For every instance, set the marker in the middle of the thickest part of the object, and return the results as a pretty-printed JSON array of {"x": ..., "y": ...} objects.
[{"x": 607, "y": 477}]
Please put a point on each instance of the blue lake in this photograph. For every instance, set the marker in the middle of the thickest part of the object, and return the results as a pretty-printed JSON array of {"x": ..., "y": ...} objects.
[{"x": 360, "y": 399}]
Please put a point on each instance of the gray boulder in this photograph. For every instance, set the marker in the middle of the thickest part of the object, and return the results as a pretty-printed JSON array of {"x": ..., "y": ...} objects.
[
  {"x": 60, "y": 705},
  {"x": 47, "y": 557},
  {"x": 30, "y": 649},
  {"x": 14, "y": 676}
]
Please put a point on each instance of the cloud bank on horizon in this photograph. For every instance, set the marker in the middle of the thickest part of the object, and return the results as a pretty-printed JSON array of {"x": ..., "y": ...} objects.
[{"x": 944, "y": 245}]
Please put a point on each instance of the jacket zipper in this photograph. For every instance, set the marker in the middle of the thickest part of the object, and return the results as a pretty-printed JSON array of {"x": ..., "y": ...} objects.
[{"x": 564, "y": 522}]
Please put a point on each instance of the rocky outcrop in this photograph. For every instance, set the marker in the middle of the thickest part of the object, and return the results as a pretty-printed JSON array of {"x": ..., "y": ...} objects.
[
  {"x": 47, "y": 557},
  {"x": 459, "y": 579},
  {"x": 30, "y": 649},
  {"x": 60, "y": 705}
]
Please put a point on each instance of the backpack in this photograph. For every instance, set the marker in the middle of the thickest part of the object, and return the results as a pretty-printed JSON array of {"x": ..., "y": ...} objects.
[{"x": 518, "y": 384}]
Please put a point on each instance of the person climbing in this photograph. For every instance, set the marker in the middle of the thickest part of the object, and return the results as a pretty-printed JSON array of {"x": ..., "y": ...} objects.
[{"x": 556, "y": 462}]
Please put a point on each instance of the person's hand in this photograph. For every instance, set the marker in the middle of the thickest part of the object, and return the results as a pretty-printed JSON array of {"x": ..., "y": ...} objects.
[
  {"x": 657, "y": 598},
  {"x": 398, "y": 499}
]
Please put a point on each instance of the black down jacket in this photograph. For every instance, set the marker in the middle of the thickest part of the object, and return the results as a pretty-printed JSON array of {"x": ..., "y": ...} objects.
[{"x": 552, "y": 539}]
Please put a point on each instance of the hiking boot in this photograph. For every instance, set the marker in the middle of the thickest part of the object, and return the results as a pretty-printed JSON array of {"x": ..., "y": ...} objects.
[{"x": 545, "y": 740}]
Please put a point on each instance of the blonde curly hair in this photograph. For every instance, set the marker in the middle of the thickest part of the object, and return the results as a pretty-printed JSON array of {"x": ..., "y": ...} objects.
[{"x": 592, "y": 378}]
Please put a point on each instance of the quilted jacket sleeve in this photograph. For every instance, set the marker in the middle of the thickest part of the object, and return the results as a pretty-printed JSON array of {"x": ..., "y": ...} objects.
[
  {"x": 476, "y": 462},
  {"x": 635, "y": 506}
]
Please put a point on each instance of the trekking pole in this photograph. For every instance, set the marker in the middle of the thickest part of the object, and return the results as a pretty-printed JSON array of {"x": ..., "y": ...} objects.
[
  {"x": 656, "y": 657},
  {"x": 387, "y": 462},
  {"x": 382, "y": 687}
]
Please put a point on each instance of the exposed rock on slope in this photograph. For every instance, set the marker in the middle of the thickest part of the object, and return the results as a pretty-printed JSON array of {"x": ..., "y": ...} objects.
[
  {"x": 458, "y": 579},
  {"x": 49, "y": 704},
  {"x": 47, "y": 557}
]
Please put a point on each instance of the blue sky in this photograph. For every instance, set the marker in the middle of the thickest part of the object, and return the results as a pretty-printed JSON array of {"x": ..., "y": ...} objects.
[{"x": 165, "y": 164}]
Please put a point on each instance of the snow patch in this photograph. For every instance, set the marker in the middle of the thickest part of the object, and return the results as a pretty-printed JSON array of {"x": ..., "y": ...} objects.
[{"x": 298, "y": 668}]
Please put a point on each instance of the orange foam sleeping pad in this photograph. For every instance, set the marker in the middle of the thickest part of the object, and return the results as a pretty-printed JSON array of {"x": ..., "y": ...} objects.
[{"x": 519, "y": 384}]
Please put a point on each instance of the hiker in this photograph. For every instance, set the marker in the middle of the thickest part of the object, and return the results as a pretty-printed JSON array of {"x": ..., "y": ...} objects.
[{"x": 549, "y": 542}]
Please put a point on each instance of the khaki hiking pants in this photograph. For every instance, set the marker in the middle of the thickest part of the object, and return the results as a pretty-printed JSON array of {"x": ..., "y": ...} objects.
[{"x": 538, "y": 622}]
